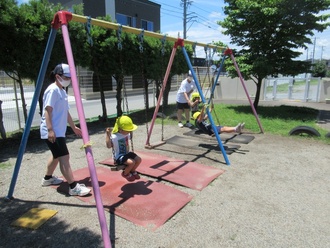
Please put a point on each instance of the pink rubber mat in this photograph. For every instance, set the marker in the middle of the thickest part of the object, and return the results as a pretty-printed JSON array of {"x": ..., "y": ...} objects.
[
  {"x": 143, "y": 202},
  {"x": 189, "y": 174}
]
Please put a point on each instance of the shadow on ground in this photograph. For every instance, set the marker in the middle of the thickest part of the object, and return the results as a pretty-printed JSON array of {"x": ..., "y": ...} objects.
[{"x": 54, "y": 233}]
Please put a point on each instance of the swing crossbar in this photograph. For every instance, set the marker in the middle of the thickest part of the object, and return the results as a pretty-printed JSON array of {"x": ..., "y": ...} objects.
[{"x": 154, "y": 145}]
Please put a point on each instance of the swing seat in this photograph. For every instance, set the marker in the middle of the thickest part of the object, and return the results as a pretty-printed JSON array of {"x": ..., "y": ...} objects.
[
  {"x": 154, "y": 145},
  {"x": 117, "y": 167}
]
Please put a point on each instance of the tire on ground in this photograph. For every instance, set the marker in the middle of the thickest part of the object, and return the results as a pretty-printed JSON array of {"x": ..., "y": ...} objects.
[
  {"x": 327, "y": 135},
  {"x": 304, "y": 130}
]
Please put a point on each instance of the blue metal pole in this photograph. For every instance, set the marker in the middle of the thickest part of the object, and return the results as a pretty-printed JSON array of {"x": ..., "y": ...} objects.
[
  {"x": 35, "y": 99},
  {"x": 207, "y": 109}
]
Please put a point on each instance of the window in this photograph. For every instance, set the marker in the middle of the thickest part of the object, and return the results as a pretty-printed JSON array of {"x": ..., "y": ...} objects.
[
  {"x": 147, "y": 25},
  {"x": 126, "y": 20}
]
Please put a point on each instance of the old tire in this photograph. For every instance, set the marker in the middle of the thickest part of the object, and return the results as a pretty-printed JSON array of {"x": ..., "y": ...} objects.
[
  {"x": 304, "y": 131},
  {"x": 327, "y": 135}
]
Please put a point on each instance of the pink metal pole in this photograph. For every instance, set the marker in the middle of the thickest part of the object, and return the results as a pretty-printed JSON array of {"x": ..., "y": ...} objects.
[
  {"x": 85, "y": 136},
  {"x": 161, "y": 92},
  {"x": 245, "y": 89}
]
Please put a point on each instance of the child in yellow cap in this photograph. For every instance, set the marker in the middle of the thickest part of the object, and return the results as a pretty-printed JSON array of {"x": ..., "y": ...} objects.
[
  {"x": 201, "y": 123},
  {"x": 196, "y": 100},
  {"x": 118, "y": 139}
]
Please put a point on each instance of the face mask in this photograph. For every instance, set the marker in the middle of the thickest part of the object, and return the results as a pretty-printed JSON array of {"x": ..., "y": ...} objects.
[{"x": 64, "y": 83}]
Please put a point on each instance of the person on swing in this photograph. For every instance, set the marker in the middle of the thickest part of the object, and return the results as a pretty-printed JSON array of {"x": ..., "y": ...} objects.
[
  {"x": 202, "y": 124},
  {"x": 196, "y": 100},
  {"x": 118, "y": 140}
]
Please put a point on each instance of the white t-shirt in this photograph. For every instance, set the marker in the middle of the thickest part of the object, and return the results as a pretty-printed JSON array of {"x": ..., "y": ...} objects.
[
  {"x": 56, "y": 98},
  {"x": 120, "y": 144},
  {"x": 185, "y": 87}
]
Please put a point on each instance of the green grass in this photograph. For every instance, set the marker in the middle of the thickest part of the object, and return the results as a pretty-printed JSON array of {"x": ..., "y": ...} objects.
[
  {"x": 5, "y": 165},
  {"x": 278, "y": 120}
]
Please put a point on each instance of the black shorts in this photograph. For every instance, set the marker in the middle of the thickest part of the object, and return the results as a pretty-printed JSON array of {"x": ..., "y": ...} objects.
[
  {"x": 124, "y": 158},
  {"x": 58, "y": 148},
  {"x": 180, "y": 105}
]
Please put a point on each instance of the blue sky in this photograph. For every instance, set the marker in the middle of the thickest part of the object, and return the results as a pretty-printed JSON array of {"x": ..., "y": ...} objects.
[{"x": 203, "y": 28}]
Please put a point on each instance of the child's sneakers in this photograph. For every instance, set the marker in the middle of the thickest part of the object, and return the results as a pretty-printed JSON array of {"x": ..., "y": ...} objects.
[
  {"x": 129, "y": 177},
  {"x": 239, "y": 127},
  {"x": 188, "y": 124},
  {"x": 180, "y": 124},
  {"x": 242, "y": 126},
  {"x": 136, "y": 175}
]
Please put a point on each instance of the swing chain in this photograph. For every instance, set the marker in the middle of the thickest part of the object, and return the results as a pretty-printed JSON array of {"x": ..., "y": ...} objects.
[
  {"x": 163, "y": 44},
  {"x": 194, "y": 48},
  {"x": 119, "y": 45},
  {"x": 141, "y": 36},
  {"x": 214, "y": 51},
  {"x": 132, "y": 145},
  {"x": 162, "y": 86},
  {"x": 206, "y": 49},
  {"x": 88, "y": 29}
]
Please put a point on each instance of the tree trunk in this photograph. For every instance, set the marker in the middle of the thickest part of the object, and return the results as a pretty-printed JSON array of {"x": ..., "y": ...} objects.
[
  {"x": 2, "y": 128},
  {"x": 104, "y": 116},
  {"x": 257, "y": 97},
  {"x": 167, "y": 91},
  {"x": 146, "y": 93},
  {"x": 21, "y": 88}
]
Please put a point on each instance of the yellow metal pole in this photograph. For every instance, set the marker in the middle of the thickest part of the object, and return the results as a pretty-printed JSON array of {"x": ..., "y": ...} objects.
[{"x": 127, "y": 29}]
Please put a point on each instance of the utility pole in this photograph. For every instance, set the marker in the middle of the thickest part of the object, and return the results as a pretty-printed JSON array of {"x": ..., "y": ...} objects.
[
  {"x": 314, "y": 50},
  {"x": 322, "y": 47},
  {"x": 185, "y": 4}
]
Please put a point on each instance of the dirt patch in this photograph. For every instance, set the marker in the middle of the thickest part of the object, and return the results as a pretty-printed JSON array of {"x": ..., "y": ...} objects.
[{"x": 275, "y": 193}]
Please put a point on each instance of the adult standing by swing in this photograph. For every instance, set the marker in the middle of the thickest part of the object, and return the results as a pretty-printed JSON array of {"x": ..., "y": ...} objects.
[
  {"x": 53, "y": 128},
  {"x": 183, "y": 102}
]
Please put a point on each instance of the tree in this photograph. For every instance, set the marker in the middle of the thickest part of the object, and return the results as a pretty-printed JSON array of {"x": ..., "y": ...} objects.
[
  {"x": 27, "y": 24},
  {"x": 155, "y": 59},
  {"x": 319, "y": 69},
  {"x": 270, "y": 32}
]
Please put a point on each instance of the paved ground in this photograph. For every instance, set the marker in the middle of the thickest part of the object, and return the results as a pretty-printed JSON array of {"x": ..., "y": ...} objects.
[{"x": 275, "y": 193}]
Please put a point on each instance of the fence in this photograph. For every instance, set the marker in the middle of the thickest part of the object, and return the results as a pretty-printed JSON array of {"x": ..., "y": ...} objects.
[
  {"x": 305, "y": 89},
  {"x": 12, "y": 110}
]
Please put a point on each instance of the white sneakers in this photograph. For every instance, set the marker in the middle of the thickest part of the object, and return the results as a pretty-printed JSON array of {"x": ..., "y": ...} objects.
[
  {"x": 52, "y": 181},
  {"x": 239, "y": 127},
  {"x": 79, "y": 190},
  {"x": 188, "y": 124}
]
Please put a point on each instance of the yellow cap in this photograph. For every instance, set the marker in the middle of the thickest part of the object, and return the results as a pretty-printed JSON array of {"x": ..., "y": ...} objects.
[
  {"x": 194, "y": 95},
  {"x": 195, "y": 115},
  {"x": 124, "y": 123}
]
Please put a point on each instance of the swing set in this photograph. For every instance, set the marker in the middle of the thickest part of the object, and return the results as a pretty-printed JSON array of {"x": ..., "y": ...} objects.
[{"x": 61, "y": 20}]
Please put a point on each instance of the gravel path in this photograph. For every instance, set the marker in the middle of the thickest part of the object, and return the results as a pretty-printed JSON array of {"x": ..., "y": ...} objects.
[{"x": 274, "y": 194}]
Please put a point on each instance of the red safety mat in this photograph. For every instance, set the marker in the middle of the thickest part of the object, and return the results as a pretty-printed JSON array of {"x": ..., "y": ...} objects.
[
  {"x": 185, "y": 173},
  {"x": 143, "y": 202}
]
